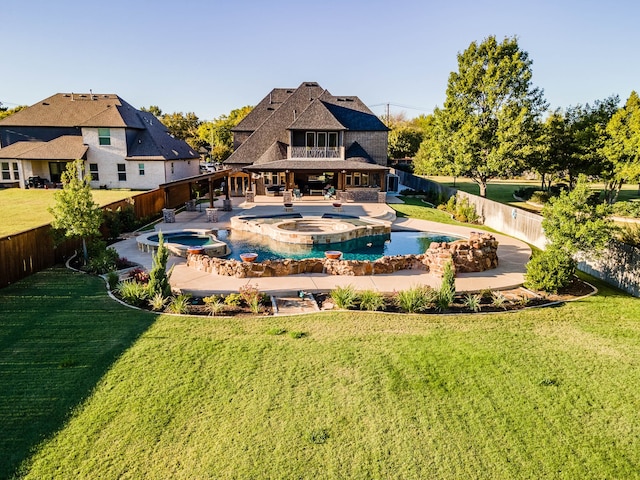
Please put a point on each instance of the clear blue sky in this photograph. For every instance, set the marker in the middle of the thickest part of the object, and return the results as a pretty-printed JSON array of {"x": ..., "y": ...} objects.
[{"x": 211, "y": 56}]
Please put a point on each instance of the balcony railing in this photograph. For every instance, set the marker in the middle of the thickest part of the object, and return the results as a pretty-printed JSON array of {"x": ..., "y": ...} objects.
[{"x": 316, "y": 152}]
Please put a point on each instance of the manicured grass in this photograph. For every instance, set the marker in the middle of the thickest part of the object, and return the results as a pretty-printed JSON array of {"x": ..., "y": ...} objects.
[
  {"x": 59, "y": 334},
  {"x": 535, "y": 394},
  {"x": 416, "y": 208},
  {"x": 25, "y": 209}
]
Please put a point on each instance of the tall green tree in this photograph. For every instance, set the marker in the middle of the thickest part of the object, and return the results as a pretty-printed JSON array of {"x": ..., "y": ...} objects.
[
  {"x": 218, "y": 133},
  {"x": 556, "y": 148},
  {"x": 404, "y": 141},
  {"x": 488, "y": 122},
  {"x": 180, "y": 125},
  {"x": 586, "y": 125},
  {"x": 5, "y": 112},
  {"x": 622, "y": 147},
  {"x": 74, "y": 212}
]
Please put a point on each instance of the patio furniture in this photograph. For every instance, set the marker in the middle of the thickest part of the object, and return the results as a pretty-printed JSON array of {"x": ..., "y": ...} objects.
[{"x": 297, "y": 194}]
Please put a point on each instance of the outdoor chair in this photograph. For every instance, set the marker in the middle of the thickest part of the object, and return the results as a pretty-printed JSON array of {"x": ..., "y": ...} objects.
[
  {"x": 330, "y": 193},
  {"x": 297, "y": 194}
]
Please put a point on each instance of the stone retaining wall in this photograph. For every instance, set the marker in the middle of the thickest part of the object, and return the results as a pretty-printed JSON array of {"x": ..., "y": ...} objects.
[{"x": 477, "y": 254}]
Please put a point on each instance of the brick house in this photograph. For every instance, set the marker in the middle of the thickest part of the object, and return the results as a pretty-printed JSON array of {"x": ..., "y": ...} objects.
[
  {"x": 307, "y": 139},
  {"x": 122, "y": 147}
]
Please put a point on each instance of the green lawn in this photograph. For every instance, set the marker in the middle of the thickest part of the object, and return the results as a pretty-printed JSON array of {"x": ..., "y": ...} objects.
[
  {"x": 25, "y": 209},
  {"x": 547, "y": 393},
  {"x": 502, "y": 190}
]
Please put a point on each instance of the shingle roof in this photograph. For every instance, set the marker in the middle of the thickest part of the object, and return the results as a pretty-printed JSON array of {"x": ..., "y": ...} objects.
[
  {"x": 263, "y": 110},
  {"x": 66, "y": 147},
  {"x": 275, "y": 129},
  {"x": 77, "y": 110},
  {"x": 152, "y": 142},
  {"x": 303, "y": 108},
  {"x": 156, "y": 143}
]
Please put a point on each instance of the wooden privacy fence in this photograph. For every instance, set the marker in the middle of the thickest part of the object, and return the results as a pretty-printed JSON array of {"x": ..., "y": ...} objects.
[{"x": 28, "y": 252}]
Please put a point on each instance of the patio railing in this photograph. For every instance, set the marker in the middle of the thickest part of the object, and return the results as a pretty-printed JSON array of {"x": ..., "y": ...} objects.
[{"x": 316, "y": 152}]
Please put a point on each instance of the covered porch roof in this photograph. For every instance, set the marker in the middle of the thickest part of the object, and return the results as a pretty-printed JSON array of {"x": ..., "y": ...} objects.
[{"x": 316, "y": 166}]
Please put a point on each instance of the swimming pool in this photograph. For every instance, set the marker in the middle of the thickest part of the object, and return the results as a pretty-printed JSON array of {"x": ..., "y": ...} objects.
[{"x": 364, "y": 248}]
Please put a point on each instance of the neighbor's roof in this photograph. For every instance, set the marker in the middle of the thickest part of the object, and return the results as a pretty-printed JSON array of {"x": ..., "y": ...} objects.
[
  {"x": 152, "y": 141},
  {"x": 306, "y": 107},
  {"x": 66, "y": 147},
  {"x": 76, "y": 110}
]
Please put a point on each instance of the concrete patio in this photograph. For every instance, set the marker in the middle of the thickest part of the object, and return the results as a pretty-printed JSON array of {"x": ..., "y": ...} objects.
[{"x": 513, "y": 254}]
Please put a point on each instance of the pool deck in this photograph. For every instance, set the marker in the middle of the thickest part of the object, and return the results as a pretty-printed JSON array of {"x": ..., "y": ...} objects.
[{"x": 512, "y": 254}]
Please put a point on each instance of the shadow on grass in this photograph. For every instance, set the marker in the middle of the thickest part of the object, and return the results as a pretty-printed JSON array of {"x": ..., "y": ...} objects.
[{"x": 59, "y": 334}]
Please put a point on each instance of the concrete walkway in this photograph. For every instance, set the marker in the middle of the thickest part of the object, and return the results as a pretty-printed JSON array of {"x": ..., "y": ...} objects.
[{"x": 512, "y": 254}]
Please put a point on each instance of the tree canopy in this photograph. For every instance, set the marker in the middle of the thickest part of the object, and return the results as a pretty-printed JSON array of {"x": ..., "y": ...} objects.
[
  {"x": 218, "y": 135},
  {"x": 621, "y": 147},
  {"x": 488, "y": 125}
]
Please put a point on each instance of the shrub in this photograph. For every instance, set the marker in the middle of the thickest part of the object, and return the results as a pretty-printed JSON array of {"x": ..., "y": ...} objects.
[
  {"x": 252, "y": 297},
  {"x": 112, "y": 279},
  {"x": 371, "y": 300},
  {"x": 447, "y": 290},
  {"x": 627, "y": 209},
  {"x": 416, "y": 299},
  {"x": 157, "y": 302},
  {"x": 132, "y": 292},
  {"x": 214, "y": 304},
  {"x": 499, "y": 300},
  {"x": 460, "y": 209},
  {"x": 179, "y": 304},
  {"x": 630, "y": 234},
  {"x": 159, "y": 278},
  {"x": 103, "y": 262},
  {"x": 344, "y": 297},
  {"x": 233, "y": 300},
  {"x": 550, "y": 270},
  {"x": 472, "y": 302}
]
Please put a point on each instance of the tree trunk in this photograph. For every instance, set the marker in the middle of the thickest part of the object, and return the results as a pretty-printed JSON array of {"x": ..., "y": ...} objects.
[
  {"x": 542, "y": 187},
  {"x": 483, "y": 189}
]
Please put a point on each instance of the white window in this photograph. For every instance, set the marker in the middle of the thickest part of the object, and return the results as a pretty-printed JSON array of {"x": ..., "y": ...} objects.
[
  {"x": 16, "y": 172},
  {"x": 6, "y": 173},
  {"x": 141, "y": 168}
]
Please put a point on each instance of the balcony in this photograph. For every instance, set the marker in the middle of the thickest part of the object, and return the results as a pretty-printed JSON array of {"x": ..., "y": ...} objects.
[{"x": 316, "y": 152}]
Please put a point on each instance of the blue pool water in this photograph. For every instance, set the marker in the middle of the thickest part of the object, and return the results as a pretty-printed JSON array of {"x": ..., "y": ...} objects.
[{"x": 365, "y": 248}]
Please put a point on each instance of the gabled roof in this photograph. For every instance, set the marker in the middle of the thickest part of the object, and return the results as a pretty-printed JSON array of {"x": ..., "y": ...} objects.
[
  {"x": 76, "y": 110},
  {"x": 275, "y": 127},
  {"x": 304, "y": 108},
  {"x": 316, "y": 117},
  {"x": 152, "y": 141},
  {"x": 66, "y": 147},
  {"x": 277, "y": 151},
  {"x": 263, "y": 110},
  {"x": 155, "y": 142}
]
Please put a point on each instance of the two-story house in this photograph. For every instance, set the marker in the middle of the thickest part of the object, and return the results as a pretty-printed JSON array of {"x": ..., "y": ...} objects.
[
  {"x": 307, "y": 139},
  {"x": 122, "y": 147}
]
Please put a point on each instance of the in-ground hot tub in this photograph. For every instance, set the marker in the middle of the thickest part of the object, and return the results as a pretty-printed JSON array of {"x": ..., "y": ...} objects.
[
  {"x": 312, "y": 230},
  {"x": 179, "y": 242}
]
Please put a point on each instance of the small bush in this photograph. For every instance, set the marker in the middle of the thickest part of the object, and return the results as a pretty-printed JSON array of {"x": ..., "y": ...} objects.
[
  {"x": 214, "y": 304},
  {"x": 447, "y": 291},
  {"x": 103, "y": 262},
  {"x": 132, "y": 292},
  {"x": 252, "y": 297},
  {"x": 157, "y": 302},
  {"x": 112, "y": 279},
  {"x": 371, "y": 300},
  {"x": 627, "y": 209},
  {"x": 472, "y": 302},
  {"x": 344, "y": 297},
  {"x": 179, "y": 304},
  {"x": 549, "y": 271},
  {"x": 297, "y": 335},
  {"x": 630, "y": 234},
  {"x": 499, "y": 300},
  {"x": 233, "y": 300},
  {"x": 416, "y": 299},
  {"x": 460, "y": 209}
]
